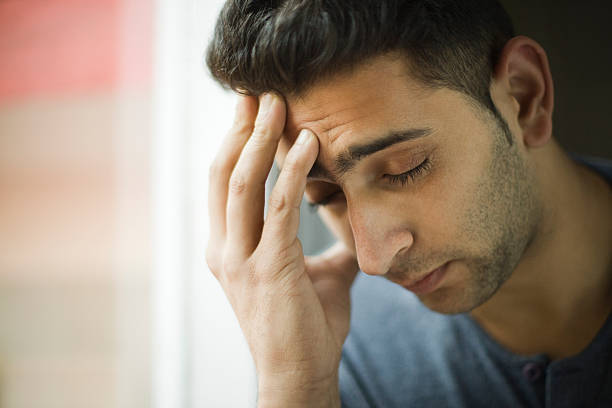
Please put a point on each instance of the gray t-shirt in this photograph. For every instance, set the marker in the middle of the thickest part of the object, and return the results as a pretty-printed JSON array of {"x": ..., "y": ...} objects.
[{"x": 401, "y": 354}]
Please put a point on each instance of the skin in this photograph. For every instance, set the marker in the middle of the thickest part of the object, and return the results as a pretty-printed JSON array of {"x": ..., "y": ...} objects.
[
  {"x": 474, "y": 207},
  {"x": 524, "y": 234}
]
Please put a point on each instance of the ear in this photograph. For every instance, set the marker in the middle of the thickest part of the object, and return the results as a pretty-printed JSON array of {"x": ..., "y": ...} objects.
[{"x": 523, "y": 71}]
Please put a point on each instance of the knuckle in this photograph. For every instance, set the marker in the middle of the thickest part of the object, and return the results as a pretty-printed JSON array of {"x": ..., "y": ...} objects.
[
  {"x": 281, "y": 201},
  {"x": 292, "y": 167},
  {"x": 231, "y": 267},
  {"x": 274, "y": 268},
  {"x": 238, "y": 183},
  {"x": 278, "y": 202},
  {"x": 261, "y": 135}
]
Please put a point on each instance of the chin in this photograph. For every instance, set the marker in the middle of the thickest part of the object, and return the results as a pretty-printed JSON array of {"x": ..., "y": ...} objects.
[
  {"x": 470, "y": 288},
  {"x": 455, "y": 299},
  {"x": 447, "y": 301}
]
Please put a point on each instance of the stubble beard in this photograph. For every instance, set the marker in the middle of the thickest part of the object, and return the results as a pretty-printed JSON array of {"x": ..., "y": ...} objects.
[{"x": 503, "y": 221}]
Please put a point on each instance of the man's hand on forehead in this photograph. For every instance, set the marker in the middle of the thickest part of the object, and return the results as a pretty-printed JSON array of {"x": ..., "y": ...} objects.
[{"x": 261, "y": 266}]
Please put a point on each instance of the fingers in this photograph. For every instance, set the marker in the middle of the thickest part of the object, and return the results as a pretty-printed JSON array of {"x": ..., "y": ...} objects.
[
  {"x": 283, "y": 217},
  {"x": 223, "y": 165},
  {"x": 246, "y": 194}
]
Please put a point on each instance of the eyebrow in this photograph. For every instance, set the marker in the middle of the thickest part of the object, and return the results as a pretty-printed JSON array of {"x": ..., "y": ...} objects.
[{"x": 347, "y": 160}]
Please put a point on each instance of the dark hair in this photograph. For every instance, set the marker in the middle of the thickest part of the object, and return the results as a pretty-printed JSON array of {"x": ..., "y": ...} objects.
[{"x": 289, "y": 45}]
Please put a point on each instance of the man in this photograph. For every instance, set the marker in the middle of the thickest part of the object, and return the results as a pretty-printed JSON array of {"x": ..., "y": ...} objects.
[{"x": 423, "y": 131}]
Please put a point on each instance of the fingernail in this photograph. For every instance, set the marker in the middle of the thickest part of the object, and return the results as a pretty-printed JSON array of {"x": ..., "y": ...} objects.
[{"x": 304, "y": 137}]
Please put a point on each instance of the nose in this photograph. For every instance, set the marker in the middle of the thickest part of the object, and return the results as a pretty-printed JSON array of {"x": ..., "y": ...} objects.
[{"x": 378, "y": 237}]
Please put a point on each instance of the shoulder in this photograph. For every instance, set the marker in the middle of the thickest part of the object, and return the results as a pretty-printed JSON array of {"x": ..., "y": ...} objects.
[{"x": 597, "y": 164}]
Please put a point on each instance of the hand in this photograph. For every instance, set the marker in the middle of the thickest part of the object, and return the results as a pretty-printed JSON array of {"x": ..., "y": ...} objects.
[{"x": 294, "y": 312}]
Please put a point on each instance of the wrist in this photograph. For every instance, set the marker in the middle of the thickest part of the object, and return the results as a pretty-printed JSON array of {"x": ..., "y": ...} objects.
[{"x": 272, "y": 394}]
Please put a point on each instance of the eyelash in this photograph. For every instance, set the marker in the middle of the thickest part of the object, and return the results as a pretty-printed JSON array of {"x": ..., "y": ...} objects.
[
  {"x": 411, "y": 174},
  {"x": 403, "y": 179}
]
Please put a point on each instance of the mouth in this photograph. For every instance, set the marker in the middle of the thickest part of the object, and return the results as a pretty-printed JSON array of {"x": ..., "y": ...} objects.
[{"x": 427, "y": 283}]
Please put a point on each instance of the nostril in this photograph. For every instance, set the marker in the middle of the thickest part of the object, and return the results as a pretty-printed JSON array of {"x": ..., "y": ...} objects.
[
  {"x": 376, "y": 255},
  {"x": 402, "y": 252}
]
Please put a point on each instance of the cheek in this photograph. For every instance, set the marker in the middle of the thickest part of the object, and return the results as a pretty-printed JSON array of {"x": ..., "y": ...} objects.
[
  {"x": 441, "y": 207},
  {"x": 468, "y": 206}
]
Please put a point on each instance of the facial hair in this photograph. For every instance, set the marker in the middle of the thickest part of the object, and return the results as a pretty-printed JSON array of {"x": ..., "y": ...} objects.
[{"x": 500, "y": 224}]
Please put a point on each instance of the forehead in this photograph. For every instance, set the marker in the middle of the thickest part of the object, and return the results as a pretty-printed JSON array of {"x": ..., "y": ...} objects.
[{"x": 355, "y": 106}]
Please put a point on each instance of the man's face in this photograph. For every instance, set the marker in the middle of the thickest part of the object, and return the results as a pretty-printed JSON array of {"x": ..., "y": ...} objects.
[{"x": 415, "y": 179}]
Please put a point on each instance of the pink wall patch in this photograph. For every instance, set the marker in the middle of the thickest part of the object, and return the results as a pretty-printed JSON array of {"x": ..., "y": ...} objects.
[{"x": 70, "y": 46}]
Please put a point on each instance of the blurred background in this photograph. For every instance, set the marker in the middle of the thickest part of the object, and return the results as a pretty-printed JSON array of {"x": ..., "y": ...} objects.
[{"x": 108, "y": 122}]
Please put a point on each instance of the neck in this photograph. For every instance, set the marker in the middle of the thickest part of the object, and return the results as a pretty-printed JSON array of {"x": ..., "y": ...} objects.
[{"x": 560, "y": 294}]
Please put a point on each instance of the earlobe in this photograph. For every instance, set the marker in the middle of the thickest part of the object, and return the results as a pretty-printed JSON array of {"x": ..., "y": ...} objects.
[{"x": 523, "y": 68}]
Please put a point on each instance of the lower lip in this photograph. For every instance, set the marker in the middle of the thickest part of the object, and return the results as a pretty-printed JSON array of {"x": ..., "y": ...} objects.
[{"x": 429, "y": 283}]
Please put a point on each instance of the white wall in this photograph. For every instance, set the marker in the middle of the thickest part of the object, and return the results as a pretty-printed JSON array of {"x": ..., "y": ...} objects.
[
  {"x": 222, "y": 373},
  {"x": 200, "y": 356}
]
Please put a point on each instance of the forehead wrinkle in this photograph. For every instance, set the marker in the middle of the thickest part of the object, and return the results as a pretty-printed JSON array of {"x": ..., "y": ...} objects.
[
  {"x": 326, "y": 121},
  {"x": 341, "y": 128},
  {"x": 319, "y": 115},
  {"x": 330, "y": 126}
]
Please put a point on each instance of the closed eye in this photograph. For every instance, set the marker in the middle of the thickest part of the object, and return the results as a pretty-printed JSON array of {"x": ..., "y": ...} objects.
[
  {"x": 403, "y": 179},
  {"x": 410, "y": 175}
]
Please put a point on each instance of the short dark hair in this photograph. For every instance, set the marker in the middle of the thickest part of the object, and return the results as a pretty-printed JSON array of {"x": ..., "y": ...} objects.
[{"x": 289, "y": 45}]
